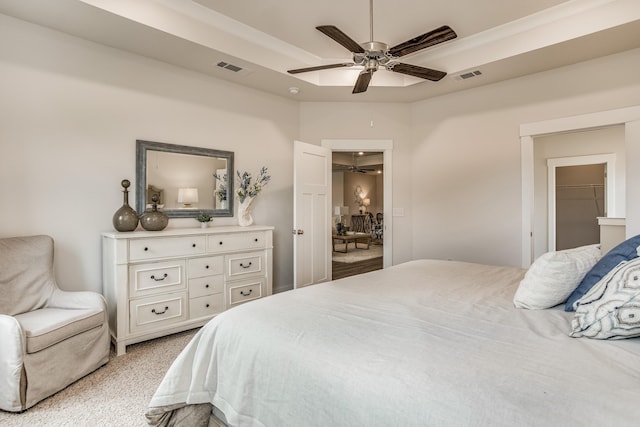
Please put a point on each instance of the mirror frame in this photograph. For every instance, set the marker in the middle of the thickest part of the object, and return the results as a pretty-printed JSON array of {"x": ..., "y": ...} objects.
[{"x": 142, "y": 147}]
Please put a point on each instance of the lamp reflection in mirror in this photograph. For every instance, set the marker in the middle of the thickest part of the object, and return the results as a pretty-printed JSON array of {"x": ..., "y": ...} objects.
[{"x": 187, "y": 196}]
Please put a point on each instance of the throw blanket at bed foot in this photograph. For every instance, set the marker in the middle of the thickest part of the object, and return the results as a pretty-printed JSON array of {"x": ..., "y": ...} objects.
[{"x": 426, "y": 343}]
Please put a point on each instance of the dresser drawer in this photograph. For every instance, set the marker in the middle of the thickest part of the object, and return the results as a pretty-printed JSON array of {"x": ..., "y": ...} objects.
[
  {"x": 156, "y": 277},
  {"x": 206, "y": 266},
  {"x": 206, "y": 286},
  {"x": 206, "y": 306},
  {"x": 157, "y": 311},
  {"x": 217, "y": 243},
  {"x": 165, "y": 247},
  {"x": 244, "y": 264},
  {"x": 244, "y": 291}
]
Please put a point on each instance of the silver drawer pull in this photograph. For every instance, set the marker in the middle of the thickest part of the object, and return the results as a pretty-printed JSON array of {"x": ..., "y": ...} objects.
[
  {"x": 160, "y": 312},
  {"x": 247, "y": 294},
  {"x": 245, "y": 266},
  {"x": 160, "y": 279}
]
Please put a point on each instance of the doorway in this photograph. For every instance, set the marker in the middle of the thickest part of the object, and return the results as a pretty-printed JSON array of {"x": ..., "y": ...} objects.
[
  {"x": 577, "y": 195},
  {"x": 580, "y": 200},
  {"x": 624, "y": 118},
  {"x": 358, "y": 218},
  {"x": 386, "y": 148}
]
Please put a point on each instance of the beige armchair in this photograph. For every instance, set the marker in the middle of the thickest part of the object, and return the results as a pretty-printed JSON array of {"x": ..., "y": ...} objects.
[{"x": 49, "y": 338}]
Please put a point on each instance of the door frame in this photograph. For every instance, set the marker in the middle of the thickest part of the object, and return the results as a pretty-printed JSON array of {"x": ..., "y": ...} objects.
[
  {"x": 609, "y": 160},
  {"x": 629, "y": 117},
  {"x": 386, "y": 147}
]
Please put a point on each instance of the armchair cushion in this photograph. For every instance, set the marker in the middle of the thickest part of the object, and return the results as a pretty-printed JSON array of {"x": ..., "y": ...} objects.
[
  {"x": 26, "y": 273},
  {"x": 48, "y": 326}
]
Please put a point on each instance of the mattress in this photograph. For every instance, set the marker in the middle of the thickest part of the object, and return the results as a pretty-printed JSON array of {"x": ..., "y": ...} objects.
[{"x": 425, "y": 343}]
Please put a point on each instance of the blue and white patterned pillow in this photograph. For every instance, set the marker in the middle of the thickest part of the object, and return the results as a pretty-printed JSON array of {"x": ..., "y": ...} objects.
[
  {"x": 625, "y": 251},
  {"x": 611, "y": 308}
]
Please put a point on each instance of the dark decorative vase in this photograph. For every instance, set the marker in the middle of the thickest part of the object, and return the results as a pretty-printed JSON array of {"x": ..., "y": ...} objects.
[
  {"x": 154, "y": 220},
  {"x": 125, "y": 218}
]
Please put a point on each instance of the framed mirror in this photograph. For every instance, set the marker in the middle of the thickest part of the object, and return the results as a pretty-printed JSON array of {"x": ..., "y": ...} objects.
[{"x": 187, "y": 180}]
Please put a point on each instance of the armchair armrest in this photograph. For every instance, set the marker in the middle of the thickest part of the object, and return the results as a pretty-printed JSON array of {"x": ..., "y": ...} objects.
[
  {"x": 11, "y": 363},
  {"x": 76, "y": 300}
]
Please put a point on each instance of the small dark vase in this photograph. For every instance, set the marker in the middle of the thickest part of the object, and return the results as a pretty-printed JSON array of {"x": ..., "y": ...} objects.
[
  {"x": 154, "y": 220},
  {"x": 125, "y": 218}
]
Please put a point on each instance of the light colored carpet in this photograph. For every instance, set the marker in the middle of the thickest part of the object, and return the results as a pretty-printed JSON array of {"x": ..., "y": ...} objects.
[
  {"x": 115, "y": 395},
  {"x": 354, "y": 255}
]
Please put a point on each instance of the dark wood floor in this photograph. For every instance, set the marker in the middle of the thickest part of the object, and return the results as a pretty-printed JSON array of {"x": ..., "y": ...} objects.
[{"x": 343, "y": 269}]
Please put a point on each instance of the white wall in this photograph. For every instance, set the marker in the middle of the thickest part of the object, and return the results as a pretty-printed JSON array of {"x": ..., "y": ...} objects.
[
  {"x": 71, "y": 112},
  {"x": 466, "y": 157},
  {"x": 337, "y": 190},
  {"x": 632, "y": 136}
]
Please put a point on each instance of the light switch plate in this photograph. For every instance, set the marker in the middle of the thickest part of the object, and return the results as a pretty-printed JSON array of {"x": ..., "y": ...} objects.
[{"x": 398, "y": 211}]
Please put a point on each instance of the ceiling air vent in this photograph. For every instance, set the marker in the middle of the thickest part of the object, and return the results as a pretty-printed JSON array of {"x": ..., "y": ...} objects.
[
  {"x": 468, "y": 75},
  {"x": 228, "y": 66},
  {"x": 241, "y": 71}
]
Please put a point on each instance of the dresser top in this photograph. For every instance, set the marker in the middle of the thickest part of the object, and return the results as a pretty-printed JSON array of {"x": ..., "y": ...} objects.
[{"x": 185, "y": 231}]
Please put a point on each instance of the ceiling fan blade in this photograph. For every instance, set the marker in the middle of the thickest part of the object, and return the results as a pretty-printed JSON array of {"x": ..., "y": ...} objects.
[
  {"x": 340, "y": 37},
  {"x": 429, "y": 39},
  {"x": 363, "y": 82},
  {"x": 416, "y": 71},
  {"x": 320, "y": 67}
]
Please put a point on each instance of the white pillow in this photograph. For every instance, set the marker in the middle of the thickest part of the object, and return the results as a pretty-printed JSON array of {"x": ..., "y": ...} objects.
[
  {"x": 611, "y": 308},
  {"x": 554, "y": 275}
]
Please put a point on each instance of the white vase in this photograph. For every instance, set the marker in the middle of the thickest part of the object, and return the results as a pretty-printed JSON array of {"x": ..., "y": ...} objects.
[
  {"x": 204, "y": 225},
  {"x": 244, "y": 212}
]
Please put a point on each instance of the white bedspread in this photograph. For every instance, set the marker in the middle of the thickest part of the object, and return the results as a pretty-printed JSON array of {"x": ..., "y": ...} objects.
[{"x": 426, "y": 343}]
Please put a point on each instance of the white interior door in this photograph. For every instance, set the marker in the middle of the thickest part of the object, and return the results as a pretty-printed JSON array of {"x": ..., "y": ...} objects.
[{"x": 311, "y": 214}]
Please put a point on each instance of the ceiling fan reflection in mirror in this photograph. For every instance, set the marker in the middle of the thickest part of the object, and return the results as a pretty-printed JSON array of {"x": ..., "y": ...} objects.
[{"x": 373, "y": 55}]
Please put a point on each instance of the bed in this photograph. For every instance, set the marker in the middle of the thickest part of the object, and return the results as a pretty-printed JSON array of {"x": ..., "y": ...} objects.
[{"x": 424, "y": 343}]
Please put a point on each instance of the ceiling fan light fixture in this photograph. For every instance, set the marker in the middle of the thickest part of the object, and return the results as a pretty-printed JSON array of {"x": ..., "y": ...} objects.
[{"x": 372, "y": 54}]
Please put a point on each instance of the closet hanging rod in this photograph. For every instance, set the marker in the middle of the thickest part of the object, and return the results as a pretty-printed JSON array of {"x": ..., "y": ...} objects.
[{"x": 581, "y": 186}]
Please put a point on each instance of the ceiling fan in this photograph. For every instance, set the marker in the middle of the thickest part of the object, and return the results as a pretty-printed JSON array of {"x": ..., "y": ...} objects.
[
  {"x": 372, "y": 54},
  {"x": 353, "y": 167}
]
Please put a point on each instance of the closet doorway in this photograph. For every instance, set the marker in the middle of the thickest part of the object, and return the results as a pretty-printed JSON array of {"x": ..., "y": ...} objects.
[
  {"x": 577, "y": 197},
  {"x": 625, "y": 128},
  {"x": 580, "y": 200}
]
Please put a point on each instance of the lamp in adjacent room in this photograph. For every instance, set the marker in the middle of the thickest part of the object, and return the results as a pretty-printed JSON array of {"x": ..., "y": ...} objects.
[
  {"x": 365, "y": 204},
  {"x": 340, "y": 211},
  {"x": 187, "y": 196}
]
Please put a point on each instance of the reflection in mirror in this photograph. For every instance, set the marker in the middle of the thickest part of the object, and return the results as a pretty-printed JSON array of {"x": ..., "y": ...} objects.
[{"x": 184, "y": 179}]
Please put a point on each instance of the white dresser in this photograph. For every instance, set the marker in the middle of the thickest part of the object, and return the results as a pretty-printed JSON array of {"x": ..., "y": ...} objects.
[{"x": 161, "y": 282}]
